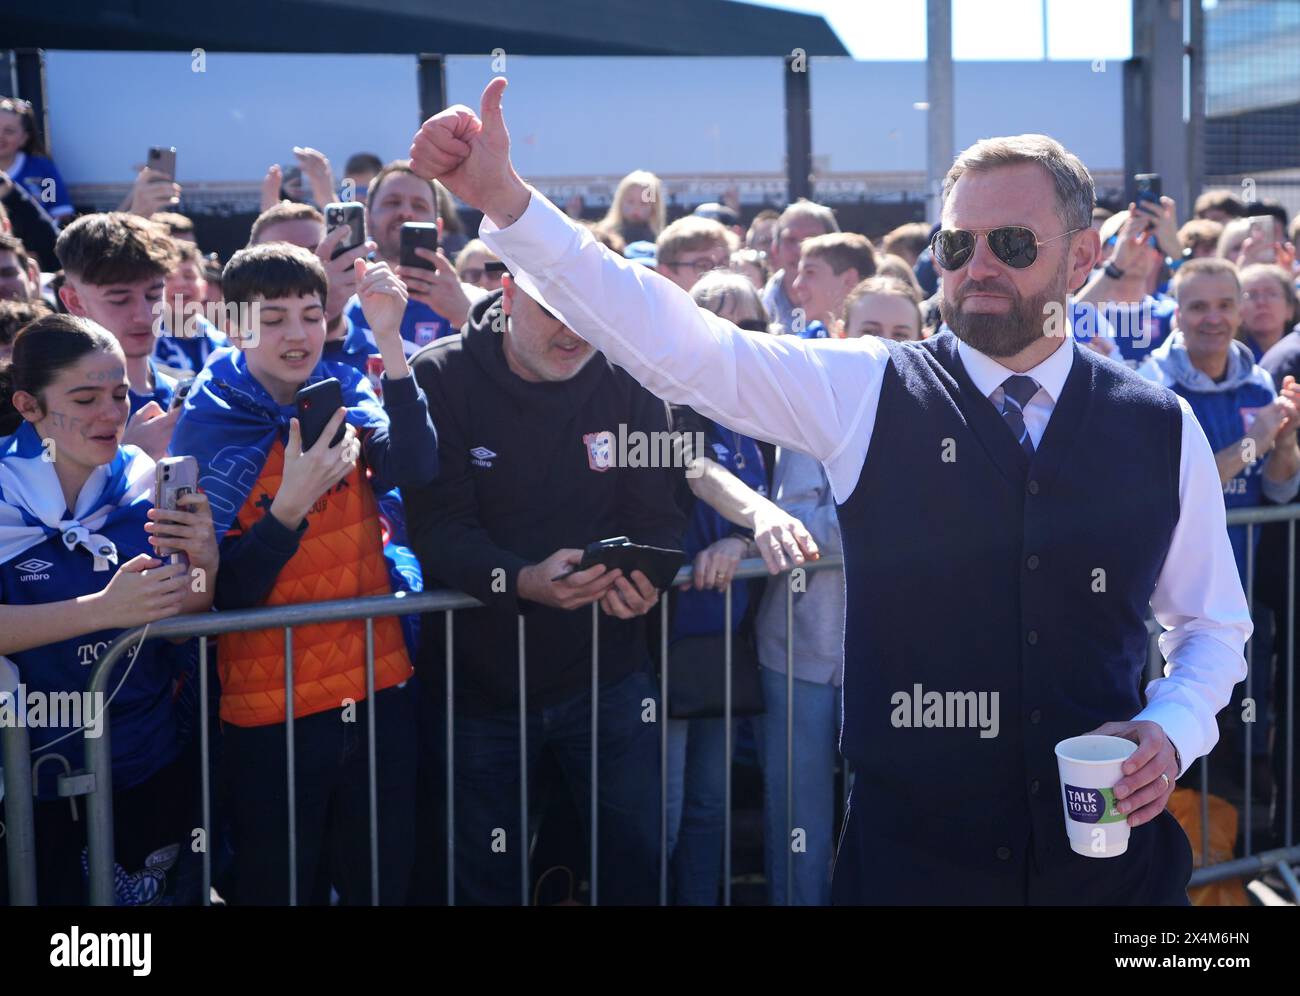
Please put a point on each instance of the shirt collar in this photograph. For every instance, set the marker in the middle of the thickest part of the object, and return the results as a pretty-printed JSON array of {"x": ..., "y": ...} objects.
[{"x": 987, "y": 374}]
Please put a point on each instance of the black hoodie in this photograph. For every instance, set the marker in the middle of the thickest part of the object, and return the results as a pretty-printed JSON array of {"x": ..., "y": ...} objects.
[{"x": 521, "y": 477}]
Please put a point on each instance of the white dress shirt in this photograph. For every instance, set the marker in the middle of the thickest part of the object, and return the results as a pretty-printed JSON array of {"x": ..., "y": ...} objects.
[
  {"x": 820, "y": 396},
  {"x": 989, "y": 375}
]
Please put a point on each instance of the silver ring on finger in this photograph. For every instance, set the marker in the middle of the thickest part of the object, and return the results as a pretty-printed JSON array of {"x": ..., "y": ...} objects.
[{"x": 1165, "y": 776}]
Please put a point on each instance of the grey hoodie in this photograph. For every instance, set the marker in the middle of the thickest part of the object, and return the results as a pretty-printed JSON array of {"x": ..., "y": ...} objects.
[
  {"x": 800, "y": 487},
  {"x": 1169, "y": 365}
]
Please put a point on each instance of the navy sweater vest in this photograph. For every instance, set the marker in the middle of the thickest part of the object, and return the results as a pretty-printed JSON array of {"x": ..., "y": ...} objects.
[{"x": 972, "y": 568}]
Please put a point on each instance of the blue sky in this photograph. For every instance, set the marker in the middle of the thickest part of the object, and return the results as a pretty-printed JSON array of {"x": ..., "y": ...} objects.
[{"x": 982, "y": 29}]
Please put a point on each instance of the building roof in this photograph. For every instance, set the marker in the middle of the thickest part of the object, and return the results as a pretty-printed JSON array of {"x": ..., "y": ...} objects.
[{"x": 518, "y": 27}]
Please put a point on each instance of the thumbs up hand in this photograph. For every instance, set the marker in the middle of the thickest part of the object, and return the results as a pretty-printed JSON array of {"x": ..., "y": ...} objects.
[{"x": 470, "y": 154}]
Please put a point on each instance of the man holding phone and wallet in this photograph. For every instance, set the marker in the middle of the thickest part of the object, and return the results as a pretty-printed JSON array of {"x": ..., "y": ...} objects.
[
  {"x": 527, "y": 416},
  {"x": 439, "y": 302},
  {"x": 1000, "y": 440}
]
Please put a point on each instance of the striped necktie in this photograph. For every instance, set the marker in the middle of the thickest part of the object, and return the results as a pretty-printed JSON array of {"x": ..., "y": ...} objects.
[{"x": 1016, "y": 392}]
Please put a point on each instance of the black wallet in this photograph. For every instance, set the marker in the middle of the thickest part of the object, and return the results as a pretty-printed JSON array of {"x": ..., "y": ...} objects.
[{"x": 660, "y": 566}]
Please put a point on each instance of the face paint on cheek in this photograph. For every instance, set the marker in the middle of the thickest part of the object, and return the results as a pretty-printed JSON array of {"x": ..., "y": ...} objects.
[{"x": 67, "y": 423}]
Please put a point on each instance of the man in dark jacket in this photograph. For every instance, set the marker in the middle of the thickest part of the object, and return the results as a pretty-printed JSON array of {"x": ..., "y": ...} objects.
[{"x": 531, "y": 422}]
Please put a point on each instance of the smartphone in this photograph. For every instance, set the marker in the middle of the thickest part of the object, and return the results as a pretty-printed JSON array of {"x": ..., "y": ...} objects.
[
  {"x": 174, "y": 478},
  {"x": 181, "y": 392},
  {"x": 1147, "y": 188},
  {"x": 421, "y": 234},
  {"x": 1262, "y": 229},
  {"x": 346, "y": 214},
  {"x": 293, "y": 185},
  {"x": 162, "y": 159},
  {"x": 317, "y": 404}
]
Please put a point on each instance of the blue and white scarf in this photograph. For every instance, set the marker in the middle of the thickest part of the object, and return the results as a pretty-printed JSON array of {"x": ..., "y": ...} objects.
[
  {"x": 32, "y": 506},
  {"x": 229, "y": 425}
]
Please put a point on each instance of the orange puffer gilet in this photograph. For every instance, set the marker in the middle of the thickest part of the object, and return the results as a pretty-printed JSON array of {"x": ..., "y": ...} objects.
[{"x": 340, "y": 555}]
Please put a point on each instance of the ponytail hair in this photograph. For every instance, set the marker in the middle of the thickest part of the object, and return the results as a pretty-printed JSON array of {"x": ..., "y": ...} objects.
[{"x": 41, "y": 351}]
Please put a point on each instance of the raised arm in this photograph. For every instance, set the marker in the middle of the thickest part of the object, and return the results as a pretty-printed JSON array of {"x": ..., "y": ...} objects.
[{"x": 819, "y": 398}]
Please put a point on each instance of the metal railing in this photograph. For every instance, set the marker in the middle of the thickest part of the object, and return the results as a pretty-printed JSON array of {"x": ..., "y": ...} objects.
[
  {"x": 19, "y": 832},
  {"x": 96, "y": 781},
  {"x": 1279, "y": 858}
]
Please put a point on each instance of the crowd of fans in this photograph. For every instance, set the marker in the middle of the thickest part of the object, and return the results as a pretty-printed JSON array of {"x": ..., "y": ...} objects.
[{"x": 479, "y": 448}]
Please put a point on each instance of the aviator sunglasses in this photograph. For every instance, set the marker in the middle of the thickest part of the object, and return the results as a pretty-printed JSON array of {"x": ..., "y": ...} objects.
[{"x": 1015, "y": 245}]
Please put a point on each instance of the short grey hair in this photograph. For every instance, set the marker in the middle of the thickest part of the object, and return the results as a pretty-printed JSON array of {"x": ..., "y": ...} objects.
[
  {"x": 804, "y": 208},
  {"x": 1076, "y": 195},
  {"x": 1206, "y": 266}
]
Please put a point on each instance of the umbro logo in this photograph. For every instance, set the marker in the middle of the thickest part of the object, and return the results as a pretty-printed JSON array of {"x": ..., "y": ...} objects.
[
  {"x": 482, "y": 456},
  {"x": 34, "y": 570}
]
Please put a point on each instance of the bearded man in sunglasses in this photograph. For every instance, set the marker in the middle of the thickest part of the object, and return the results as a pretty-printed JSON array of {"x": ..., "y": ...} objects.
[{"x": 968, "y": 471}]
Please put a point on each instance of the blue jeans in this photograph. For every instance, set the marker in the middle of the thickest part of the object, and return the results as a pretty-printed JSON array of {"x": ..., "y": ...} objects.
[
  {"x": 489, "y": 831},
  {"x": 696, "y": 799},
  {"x": 816, "y": 726}
]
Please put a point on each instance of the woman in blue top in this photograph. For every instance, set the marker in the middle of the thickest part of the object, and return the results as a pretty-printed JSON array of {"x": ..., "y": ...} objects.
[
  {"x": 80, "y": 549},
  {"x": 22, "y": 157}
]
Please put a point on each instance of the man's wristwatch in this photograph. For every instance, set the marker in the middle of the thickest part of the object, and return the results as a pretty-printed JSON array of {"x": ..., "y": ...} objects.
[{"x": 1113, "y": 271}]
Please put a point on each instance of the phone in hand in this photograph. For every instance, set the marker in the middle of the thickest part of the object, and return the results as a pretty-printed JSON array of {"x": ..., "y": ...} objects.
[
  {"x": 346, "y": 214},
  {"x": 174, "y": 478},
  {"x": 1262, "y": 229},
  {"x": 421, "y": 235},
  {"x": 293, "y": 185},
  {"x": 316, "y": 405},
  {"x": 181, "y": 393},
  {"x": 162, "y": 159},
  {"x": 1147, "y": 190}
]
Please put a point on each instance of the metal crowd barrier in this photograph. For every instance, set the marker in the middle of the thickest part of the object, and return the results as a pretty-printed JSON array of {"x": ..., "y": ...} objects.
[
  {"x": 19, "y": 834},
  {"x": 99, "y": 750},
  {"x": 1279, "y": 858},
  {"x": 97, "y": 784}
]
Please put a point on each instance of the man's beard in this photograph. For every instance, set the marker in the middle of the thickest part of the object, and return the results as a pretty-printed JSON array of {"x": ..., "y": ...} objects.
[{"x": 1004, "y": 335}]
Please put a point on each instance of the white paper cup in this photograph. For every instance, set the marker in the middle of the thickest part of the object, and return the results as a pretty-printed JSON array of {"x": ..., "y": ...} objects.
[{"x": 1090, "y": 766}]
